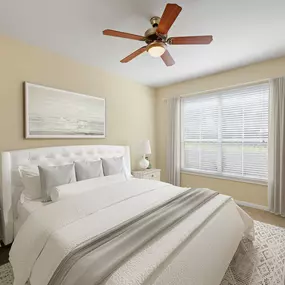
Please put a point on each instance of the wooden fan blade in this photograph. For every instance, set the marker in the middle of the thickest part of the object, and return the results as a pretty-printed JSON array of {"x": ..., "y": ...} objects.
[
  {"x": 168, "y": 17},
  {"x": 118, "y": 34},
  {"x": 197, "y": 40},
  {"x": 134, "y": 54},
  {"x": 167, "y": 58}
]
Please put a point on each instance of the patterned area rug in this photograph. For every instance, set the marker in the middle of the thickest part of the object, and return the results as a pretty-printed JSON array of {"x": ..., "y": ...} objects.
[
  {"x": 6, "y": 274},
  {"x": 261, "y": 262}
]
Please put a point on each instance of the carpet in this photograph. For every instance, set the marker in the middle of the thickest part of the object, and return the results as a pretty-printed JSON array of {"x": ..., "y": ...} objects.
[{"x": 261, "y": 262}]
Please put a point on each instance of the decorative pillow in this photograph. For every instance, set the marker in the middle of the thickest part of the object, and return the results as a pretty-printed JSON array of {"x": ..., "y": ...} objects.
[
  {"x": 78, "y": 188},
  {"x": 88, "y": 169},
  {"x": 114, "y": 165},
  {"x": 53, "y": 176},
  {"x": 31, "y": 180}
]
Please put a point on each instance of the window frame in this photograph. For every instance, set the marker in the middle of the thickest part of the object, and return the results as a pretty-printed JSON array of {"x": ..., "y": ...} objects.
[{"x": 213, "y": 174}]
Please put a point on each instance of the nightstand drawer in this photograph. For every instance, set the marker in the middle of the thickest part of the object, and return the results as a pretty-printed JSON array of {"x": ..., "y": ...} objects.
[{"x": 152, "y": 176}]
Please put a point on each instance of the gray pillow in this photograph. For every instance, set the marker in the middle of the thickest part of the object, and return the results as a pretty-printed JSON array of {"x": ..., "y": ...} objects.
[
  {"x": 53, "y": 176},
  {"x": 114, "y": 165},
  {"x": 88, "y": 169}
]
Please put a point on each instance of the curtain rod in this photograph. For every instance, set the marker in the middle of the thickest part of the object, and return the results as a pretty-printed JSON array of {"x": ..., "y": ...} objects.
[{"x": 220, "y": 89}]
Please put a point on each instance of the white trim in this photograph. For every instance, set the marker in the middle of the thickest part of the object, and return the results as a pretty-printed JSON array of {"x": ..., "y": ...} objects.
[
  {"x": 224, "y": 177},
  {"x": 241, "y": 85},
  {"x": 251, "y": 205},
  {"x": 181, "y": 96}
]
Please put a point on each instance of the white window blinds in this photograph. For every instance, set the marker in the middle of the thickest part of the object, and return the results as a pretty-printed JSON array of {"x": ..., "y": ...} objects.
[{"x": 226, "y": 132}]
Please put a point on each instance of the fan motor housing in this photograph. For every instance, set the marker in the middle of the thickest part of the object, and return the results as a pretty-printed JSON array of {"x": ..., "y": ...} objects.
[
  {"x": 151, "y": 35},
  {"x": 155, "y": 21}
]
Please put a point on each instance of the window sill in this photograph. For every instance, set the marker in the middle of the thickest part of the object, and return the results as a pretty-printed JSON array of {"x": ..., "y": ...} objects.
[{"x": 216, "y": 176}]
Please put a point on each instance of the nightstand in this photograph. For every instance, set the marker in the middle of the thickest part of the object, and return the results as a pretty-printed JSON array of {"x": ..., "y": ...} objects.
[{"x": 152, "y": 174}]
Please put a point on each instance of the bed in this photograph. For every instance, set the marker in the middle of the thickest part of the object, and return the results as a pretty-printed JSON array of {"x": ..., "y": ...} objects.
[
  {"x": 24, "y": 209},
  {"x": 197, "y": 250}
]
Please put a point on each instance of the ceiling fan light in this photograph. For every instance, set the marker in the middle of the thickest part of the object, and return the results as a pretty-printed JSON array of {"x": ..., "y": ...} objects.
[{"x": 156, "y": 49}]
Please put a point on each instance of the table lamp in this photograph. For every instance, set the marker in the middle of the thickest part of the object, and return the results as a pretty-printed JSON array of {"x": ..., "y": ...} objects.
[{"x": 145, "y": 149}]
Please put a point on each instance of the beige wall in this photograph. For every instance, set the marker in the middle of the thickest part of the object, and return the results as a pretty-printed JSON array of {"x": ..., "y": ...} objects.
[
  {"x": 130, "y": 112},
  {"x": 251, "y": 193},
  {"x": 132, "y": 109}
]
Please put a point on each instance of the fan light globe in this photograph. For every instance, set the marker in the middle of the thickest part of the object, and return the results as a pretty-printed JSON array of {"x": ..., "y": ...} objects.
[{"x": 156, "y": 49}]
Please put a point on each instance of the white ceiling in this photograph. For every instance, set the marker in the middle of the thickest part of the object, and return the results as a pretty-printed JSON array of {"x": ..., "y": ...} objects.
[{"x": 244, "y": 31}]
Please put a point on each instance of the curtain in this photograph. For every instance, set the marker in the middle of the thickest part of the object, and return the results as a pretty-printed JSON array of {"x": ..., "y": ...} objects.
[
  {"x": 173, "y": 141},
  {"x": 276, "y": 148}
]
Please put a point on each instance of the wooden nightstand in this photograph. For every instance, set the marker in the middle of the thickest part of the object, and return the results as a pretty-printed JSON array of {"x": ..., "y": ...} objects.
[{"x": 152, "y": 174}]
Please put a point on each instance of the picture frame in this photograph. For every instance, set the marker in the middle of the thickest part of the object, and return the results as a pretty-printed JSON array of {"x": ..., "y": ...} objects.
[{"x": 55, "y": 113}]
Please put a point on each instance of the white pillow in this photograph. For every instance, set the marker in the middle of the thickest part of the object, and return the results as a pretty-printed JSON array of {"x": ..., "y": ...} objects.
[
  {"x": 88, "y": 169},
  {"x": 53, "y": 176},
  {"x": 70, "y": 190},
  {"x": 114, "y": 165},
  {"x": 31, "y": 180}
]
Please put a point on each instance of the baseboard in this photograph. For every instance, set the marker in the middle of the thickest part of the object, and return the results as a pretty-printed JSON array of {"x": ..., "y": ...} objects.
[{"x": 251, "y": 205}]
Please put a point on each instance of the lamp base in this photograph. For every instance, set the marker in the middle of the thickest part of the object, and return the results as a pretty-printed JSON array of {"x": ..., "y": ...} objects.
[
  {"x": 149, "y": 165},
  {"x": 144, "y": 163}
]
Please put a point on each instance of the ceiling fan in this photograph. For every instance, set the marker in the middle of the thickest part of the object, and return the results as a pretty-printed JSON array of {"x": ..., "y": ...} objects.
[{"x": 157, "y": 39}]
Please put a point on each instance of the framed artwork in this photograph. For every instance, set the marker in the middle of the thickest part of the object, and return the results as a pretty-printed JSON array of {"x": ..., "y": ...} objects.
[{"x": 54, "y": 113}]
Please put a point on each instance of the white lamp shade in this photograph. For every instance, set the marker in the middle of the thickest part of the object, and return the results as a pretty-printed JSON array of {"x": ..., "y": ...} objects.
[{"x": 146, "y": 147}]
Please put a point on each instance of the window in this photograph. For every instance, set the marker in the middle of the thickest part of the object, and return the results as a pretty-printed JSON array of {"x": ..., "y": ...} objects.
[{"x": 225, "y": 133}]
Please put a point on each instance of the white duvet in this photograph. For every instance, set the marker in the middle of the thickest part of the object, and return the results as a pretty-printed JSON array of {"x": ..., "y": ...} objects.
[{"x": 50, "y": 233}]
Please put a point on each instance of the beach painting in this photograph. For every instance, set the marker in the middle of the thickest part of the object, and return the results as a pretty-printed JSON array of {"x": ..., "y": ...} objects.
[{"x": 54, "y": 113}]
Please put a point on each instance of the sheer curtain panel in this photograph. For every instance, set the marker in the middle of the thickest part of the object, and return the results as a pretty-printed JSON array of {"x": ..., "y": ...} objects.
[
  {"x": 173, "y": 141},
  {"x": 276, "y": 179}
]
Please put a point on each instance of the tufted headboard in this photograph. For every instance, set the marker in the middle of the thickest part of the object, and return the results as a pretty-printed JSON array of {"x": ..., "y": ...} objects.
[{"x": 11, "y": 185}]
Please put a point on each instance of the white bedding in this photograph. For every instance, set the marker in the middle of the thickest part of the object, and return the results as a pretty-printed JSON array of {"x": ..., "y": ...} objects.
[
  {"x": 51, "y": 232},
  {"x": 26, "y": 207}
]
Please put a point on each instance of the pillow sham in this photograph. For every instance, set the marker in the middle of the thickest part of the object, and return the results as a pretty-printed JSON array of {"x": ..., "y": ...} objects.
[
  {"x": 88, "y": 169},
  {"x": 70, "y": 190},
  {"x": 31, "y": 181},
  {"x": 114, "y": 165},
  {"x": 53, "y": 176}
]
